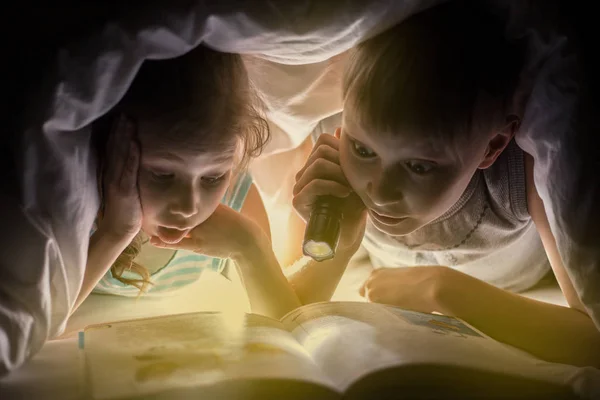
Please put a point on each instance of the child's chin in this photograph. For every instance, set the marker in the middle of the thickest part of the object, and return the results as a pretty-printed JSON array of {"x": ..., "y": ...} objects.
[{"x": 403, "y": 228}]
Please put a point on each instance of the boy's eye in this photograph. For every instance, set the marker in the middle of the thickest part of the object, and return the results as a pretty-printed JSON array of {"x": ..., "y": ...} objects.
[
  {"x": 420, "y": 167},
  {"x": 362, "y": 151},
  {"x": 213, "y": 180}
]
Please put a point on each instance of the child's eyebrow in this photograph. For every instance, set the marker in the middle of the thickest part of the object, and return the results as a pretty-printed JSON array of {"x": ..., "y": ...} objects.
[
  {"x": 350, "y": 133},
  {"x": 163, "y": 156},
  {"x": 225, "y": 156},
  {"x": 166, "y": 155}
]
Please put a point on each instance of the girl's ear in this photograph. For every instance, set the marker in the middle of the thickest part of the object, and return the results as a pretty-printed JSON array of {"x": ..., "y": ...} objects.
[{"x": 498, "y": 143}]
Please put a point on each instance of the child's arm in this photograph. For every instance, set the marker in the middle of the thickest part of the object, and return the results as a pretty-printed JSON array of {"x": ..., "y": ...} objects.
[
  {"x": 122, "y": 217},
  {"x": 551, "y": 332},
  {"x": 548, "y": 331},
  {"x": 539, "y": 217},
  {"x": 254, "y": 209},
  {"x": 268, "y": 292},
  {"x": 104, "y": 248}
]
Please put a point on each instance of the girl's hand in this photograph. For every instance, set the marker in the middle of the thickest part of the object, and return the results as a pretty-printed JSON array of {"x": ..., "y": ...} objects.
[
  {"x": 225, "y": 234},
  {"x": 412, "y": 288},
  {"x": 229, "y": 234},
  {"x": 122, "y": 214},
  {"x": 322, "y": 175}
]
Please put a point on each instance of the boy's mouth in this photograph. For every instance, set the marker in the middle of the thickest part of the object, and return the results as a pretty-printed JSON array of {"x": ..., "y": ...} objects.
[{"x": 384, "y": 219}]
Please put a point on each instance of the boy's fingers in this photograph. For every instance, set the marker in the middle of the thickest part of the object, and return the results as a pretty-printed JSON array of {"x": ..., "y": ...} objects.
[
  {"x": 308, "y": 195},
  {"x": 363, "y": 289},
  {"x": 321, "y": 152},
  {"x": 321, "y": 169}
]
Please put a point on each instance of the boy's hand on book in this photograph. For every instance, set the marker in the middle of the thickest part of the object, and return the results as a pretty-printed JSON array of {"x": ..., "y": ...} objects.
[
  {"x": 413, "y": 288},
  {"x": 322, "y": 175},
  {"x": 122, "y": 213},
  {"x": 225, "y": 234}
]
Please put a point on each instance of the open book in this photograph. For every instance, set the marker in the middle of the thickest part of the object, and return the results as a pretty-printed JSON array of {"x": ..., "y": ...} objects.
[{"x": 319, "y": 351}]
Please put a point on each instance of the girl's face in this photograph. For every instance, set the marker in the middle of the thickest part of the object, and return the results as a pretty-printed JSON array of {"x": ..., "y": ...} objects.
[
  {"x": 179, "y": 188},
  {"x": 405, "y": 180}
]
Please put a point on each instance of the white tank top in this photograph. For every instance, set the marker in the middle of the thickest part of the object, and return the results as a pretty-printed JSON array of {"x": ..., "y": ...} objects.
[{"x": 487, "y": 234}]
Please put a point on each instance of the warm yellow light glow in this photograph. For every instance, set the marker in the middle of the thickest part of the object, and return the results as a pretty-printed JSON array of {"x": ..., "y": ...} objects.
[
  {"x": 279, "y": 221},
  {"x": 233, "y": 322},
  {"x": 317, "y": 249},
  {"x": 319, "y": 337}
]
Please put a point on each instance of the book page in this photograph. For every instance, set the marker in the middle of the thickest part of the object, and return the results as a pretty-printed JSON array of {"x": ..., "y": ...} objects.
[
  {"x": 147, "y": 356},
  {"x": 350, "y": 340}
]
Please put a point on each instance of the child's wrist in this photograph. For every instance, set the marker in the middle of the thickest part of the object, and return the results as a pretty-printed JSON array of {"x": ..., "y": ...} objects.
[
  {"x": 347, "y": 251},
  {"x": 441, "y": 295},
  {"x": 251, "y": 244},
  {"x": 253, "y": 254},
  {"x": 343, "y": 255}
]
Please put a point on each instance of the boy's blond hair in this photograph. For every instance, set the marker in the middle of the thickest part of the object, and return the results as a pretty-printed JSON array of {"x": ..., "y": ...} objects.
[{"x": 447, "y": 71}]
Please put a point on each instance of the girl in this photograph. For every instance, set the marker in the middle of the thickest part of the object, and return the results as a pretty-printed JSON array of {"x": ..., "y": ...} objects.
[
  {"x": 433, "y": 180},
  {"x": 171, "y": 174}
]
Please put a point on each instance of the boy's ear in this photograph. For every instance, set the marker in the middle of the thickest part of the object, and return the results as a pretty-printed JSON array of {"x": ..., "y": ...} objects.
[{"x": 498, "y": 143}]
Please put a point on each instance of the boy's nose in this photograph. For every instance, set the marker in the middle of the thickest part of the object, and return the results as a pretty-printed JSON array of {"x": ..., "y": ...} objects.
[{"x": 383, "y": 192}]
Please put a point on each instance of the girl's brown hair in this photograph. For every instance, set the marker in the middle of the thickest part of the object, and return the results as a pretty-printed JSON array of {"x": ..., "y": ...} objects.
[
  {"x": 428, "y": 73},
  {"x": 199, "y": 101}
]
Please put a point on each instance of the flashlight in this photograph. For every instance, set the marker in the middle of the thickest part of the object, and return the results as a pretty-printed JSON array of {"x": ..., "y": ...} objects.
[{"x": 323, "y": 230}]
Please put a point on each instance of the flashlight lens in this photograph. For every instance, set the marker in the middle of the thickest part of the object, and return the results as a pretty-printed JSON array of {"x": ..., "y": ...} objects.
[{"x": 318, "y": 250}]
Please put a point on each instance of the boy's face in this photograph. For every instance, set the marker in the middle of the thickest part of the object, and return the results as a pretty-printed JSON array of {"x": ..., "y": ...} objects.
[{"x": 405, "y": 180}]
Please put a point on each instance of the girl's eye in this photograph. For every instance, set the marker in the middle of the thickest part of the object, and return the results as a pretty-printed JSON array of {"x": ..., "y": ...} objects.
[
  {"x": 420, "y": 167},
  {"x": 213, "y": 180},
  {"x": 161, "y": 176},
  {"x": 362, "y": 151}
]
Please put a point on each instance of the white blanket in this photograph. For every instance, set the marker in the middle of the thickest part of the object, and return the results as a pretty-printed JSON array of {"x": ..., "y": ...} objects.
[{"x": 50, "y": 209}]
